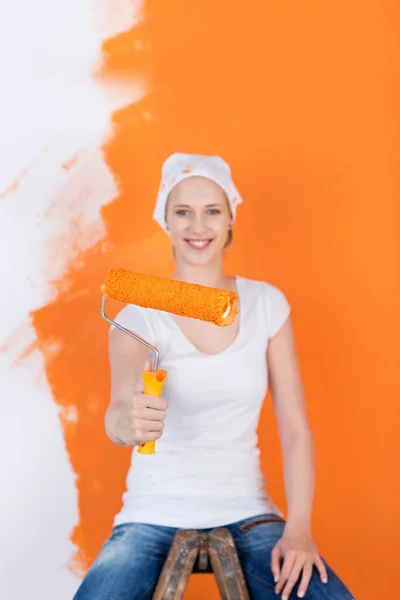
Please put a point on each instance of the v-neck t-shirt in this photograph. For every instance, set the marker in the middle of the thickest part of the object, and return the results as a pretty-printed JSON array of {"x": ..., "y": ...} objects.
[{"x": 206, "y": 471}]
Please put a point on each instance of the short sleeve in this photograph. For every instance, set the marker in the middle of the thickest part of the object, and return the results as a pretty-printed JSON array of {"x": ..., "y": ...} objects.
[
  {"x": 132, "y": 318},
  {"x": 278, "y": 309}
]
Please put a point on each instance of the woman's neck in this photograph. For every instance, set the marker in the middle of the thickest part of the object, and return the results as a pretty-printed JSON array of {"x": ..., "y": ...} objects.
[{"x": 212, "y": 276}]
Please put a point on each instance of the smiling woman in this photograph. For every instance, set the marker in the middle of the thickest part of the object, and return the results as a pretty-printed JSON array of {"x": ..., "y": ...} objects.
[
  {"x": 207, "y": 471},
  {"x": 203, "y": 225}
]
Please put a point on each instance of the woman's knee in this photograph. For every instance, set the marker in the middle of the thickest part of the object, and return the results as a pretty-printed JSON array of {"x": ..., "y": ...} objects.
[
  {"x": 334, "y": 589},
  {"x": 125, "y": 568}
]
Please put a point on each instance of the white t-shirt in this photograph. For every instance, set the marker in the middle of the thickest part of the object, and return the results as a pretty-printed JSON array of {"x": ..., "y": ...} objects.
[{"x": 206, "y": 470}]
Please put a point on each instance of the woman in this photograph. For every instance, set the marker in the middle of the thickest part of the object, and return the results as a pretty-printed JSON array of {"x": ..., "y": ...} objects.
[{"x": 206, "y": 471}]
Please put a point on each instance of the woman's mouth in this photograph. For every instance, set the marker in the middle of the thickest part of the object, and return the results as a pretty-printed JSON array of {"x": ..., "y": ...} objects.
[{"x": 198, "y": 244}]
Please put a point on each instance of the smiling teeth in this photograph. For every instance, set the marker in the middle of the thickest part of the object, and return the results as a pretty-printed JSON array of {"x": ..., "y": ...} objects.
[{"x": 198, "y": 243}]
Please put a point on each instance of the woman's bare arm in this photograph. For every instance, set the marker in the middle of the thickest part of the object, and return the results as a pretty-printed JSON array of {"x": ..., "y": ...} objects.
[
  {"x": 296, "y": 439},
  {"x": 127, "y": 359}
]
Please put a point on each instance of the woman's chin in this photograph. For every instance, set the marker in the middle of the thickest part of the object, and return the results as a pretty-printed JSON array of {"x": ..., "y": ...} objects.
[
  {"x": 198, "y": 257},
  {"x": 197, "y": 260}
]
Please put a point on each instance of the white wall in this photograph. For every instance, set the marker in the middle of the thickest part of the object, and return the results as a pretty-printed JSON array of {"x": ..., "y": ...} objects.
[{"x": 51, "y": 110}]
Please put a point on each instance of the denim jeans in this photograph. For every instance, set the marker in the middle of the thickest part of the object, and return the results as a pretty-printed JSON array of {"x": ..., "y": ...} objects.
[{"x": 131, "y": 560}]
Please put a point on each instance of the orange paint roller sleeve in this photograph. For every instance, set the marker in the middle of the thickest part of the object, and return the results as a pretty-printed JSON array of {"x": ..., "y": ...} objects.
[{"x": 186, "y": 299}]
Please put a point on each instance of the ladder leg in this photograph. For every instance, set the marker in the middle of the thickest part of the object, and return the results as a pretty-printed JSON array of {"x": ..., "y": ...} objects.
[
  {"x": 177, "y": 568},
  {"x": 226, "y": 566}
]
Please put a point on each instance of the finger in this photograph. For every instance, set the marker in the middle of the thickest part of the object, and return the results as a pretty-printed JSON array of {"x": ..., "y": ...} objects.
[
  {"x": 319, "y": 563},
  {"x": 276, "y": 562},
  {"x": 293, "y": 576},
  {"x": 147, "y": 436},
  {"x": 305, "y": 580},
  {"x": 148, "y": 401},
  {"x": 139, "y": 389},
  {"x": 150, "y": 426},
  {"x": 148, "y": 414},
  {"x": 287, "y": 566}
]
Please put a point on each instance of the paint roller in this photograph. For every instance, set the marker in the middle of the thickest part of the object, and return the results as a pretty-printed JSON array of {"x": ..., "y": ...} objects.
[{"x": 217, "y": 306}]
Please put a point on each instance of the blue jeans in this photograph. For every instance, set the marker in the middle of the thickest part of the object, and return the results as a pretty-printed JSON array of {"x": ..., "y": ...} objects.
[{"x": 131, "y": 560}]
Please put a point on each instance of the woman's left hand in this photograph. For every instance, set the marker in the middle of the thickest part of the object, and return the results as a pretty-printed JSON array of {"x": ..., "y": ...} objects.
[{"x": 299, "y": 555}]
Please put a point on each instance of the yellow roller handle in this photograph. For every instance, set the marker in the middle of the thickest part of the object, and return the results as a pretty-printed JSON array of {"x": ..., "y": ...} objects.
[{"x": 153, "y": 385}]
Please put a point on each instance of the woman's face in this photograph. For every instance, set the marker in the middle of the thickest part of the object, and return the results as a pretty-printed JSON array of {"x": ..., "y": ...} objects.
[{"x": 198, "y": 219}]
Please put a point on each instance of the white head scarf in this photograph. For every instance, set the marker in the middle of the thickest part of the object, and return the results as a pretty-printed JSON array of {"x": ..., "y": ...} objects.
[{"x": 179, "y": 166}]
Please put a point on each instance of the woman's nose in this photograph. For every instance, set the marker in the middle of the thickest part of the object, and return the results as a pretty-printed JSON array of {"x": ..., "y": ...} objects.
[{"x": 198, "y": 224}]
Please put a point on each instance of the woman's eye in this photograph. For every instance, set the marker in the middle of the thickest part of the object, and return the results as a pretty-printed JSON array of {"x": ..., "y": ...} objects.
[{"x": 183, "y": 211}]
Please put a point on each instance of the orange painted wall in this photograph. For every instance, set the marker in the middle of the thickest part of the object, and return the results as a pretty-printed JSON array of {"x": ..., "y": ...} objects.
[{"x": 299, "y": 98}]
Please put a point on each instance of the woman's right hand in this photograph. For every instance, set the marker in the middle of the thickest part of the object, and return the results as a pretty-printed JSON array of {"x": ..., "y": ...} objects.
[{"x": 142, "y": 419}]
